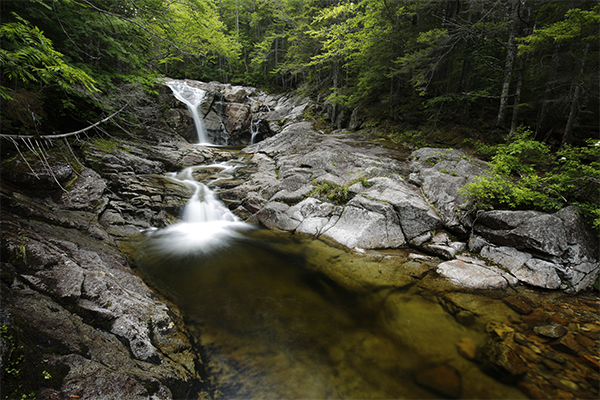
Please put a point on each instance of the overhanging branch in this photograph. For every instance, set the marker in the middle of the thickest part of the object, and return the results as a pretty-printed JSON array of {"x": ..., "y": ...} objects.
[{"x": 63, "y": 135}]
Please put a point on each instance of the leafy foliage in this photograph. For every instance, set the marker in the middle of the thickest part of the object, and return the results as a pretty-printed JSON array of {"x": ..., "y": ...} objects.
[
  {"x": 338, "y": 194},
  {"x": 525, "y": 174},
  {"x": 29, "y": 56}
]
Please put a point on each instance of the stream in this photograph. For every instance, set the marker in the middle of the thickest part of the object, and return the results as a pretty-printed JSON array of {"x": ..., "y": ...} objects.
[{"x": 272, "y": 324}]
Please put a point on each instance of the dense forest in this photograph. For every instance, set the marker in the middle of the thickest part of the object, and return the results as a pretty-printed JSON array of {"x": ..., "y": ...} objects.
[{"x": 515, "y": 79}]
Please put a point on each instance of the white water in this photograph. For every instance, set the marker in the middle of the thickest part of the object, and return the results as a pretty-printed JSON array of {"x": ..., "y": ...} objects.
[
  {"x": 192, "y": 97},
  {"x": 254, "y": 127},
  {"x": 207, "y": 224}
]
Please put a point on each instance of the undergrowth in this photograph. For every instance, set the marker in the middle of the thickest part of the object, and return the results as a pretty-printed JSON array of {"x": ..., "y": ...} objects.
[
  {"x": 338, "y": 194},
  {"x": 525, "y": 174}
]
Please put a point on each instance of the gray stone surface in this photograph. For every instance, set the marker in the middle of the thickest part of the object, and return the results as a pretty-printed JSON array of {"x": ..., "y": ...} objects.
[
  {"x": 474, "y": 275},
  {"x": 67, "y": 280},
  {"x": 547, "y": 250},
  {"x": 380, "y": 209},
  {"x": 442, "y": 173}
]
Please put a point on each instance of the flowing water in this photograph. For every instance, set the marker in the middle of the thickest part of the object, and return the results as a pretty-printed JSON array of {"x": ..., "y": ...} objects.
[
  {"x": 272, "y": 324},
  {"x": 192, "y": 97}
]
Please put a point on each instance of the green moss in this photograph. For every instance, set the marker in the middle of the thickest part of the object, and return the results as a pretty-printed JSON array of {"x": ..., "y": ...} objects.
[{"x": 338, "y": 194}]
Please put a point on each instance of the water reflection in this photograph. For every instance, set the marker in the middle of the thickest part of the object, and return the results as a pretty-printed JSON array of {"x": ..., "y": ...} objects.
[
  {"x": 272, "y": 324},
  {"x": 274, "y": 328}
]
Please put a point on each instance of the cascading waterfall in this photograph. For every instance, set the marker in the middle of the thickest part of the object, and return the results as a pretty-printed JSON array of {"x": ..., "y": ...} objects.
[
  {"x": 254, "y": 128},
  {"x": 261, "y": 305},
  {"x": 192, "y": 97},
  {"x": 207, "y": 224}
]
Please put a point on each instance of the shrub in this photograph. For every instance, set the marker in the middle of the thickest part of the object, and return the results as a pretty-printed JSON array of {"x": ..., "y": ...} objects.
[{"x": 526, "y": 174}]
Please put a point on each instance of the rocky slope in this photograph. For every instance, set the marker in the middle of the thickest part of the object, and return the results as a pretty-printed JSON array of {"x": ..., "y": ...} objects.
[
  {"x": 76, "y": 319},
  {"x": 351, "y": 192}
]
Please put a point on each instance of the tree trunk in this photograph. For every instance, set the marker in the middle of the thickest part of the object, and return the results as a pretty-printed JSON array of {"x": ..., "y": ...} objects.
[
  {"x": 511, "y": 52},
  {"x": 515, "y": 115},
  {"x": 575, "y": 103}
]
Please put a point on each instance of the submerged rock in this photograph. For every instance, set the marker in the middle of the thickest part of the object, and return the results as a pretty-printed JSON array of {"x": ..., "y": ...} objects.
[{"x": 442, "y": 379}]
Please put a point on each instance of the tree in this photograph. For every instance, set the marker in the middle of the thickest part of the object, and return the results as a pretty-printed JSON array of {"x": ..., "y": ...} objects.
[{"x": 579, "y": 30}]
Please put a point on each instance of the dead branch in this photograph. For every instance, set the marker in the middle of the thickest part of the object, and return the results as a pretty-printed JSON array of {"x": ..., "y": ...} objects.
[{"x": 63, "y": 135}]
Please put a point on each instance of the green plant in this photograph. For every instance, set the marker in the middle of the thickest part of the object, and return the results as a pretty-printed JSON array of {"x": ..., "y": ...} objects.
[
  {"x": 525, "y": 174},
  {"x": 339, "y": 194},
  {"x": 14, "y": 375},
  {"x": 336, "y": 193}
]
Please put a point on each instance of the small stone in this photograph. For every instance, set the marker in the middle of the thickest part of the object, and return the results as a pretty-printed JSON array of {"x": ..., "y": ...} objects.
[
  {"x": 467, "y": 348},
  {"x": 593, "y": 378},
  {"x": 551, "y": 364},
  {"x": 585, "y": 341},
  {"x": 550, "y": 331},
  {"x": 502, "y": 362},
  {"x": 561, "y": 394},
  {"x": 592, "y": 331},
  {"x": 521, "y": 339},
  {"x": 465, "y": 318},
  {"x": 527, "y": 354},
  {"x": 567, "y": 344},
  {"x": 591, "y": 361},
  {"x": 536, "y": 318},
  {"x": 442, "y": 379},
  {"x": 518, "y": 304},
  {"x": 565, "y": 385},
  {"x": 591, "y": 328},
  {"x": 532, "y": 391},
  {"x": 555, "y": 357},
  {"x": 502, "y": 331}
]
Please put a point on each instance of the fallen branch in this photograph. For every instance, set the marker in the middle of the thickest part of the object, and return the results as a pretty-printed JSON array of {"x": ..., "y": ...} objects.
[{"x": 62, "y": 135}]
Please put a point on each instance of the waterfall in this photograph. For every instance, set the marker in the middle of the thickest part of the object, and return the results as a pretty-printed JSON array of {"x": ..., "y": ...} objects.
[
  {"x": 192, "y": 97},
  {"x": 207, "y": 224},
  {"x": 254, "y": 128},
  {"x": 203, "y": 206}
]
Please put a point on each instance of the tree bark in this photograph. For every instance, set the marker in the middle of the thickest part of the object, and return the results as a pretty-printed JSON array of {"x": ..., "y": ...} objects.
[
  {"x": 515, "y": 115},
  {"x": 575, "y": 103},
  {"x": 511, "y": 52}
]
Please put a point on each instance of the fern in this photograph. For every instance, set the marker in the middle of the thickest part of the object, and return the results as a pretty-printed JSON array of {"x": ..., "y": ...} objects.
[{"x": 28, "y": 56}]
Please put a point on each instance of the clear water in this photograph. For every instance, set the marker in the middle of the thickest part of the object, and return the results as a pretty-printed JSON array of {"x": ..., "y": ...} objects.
[{"x": 273, "y": 324}]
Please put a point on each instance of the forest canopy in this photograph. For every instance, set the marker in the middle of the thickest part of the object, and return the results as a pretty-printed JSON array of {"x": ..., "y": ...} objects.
[
  {"x": 484, "y": 64},
  {"x": 516, "y": 79}
]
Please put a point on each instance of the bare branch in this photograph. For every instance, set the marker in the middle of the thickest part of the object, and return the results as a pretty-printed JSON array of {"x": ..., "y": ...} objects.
[{"x": 63, "y": 135}]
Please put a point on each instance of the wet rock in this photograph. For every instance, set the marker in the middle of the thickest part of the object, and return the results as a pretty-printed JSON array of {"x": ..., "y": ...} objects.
[
  {"x": 474, "y": 275},
  {"x": 467, "y": 348},
  {"x": 37, "y": 172},
  {"x": 550, "y": 331},
  {"x": 237, "y": 119},
  {"x": 520, "y": 304},
  {"x": 443, "y": 379},
  {"x": 72, "y": 289},
  {"x": 443, "y": 173},
  {"x": 236, "y": 115},
  {"x": 85, "y": 192},
  {"x": 379, "y": 212},
  {"x": 561, "y": 237},
  {"x": 567, "y": 344},
  {"x": 502, "y": 362},
  {"x": 366, "y": 224}
]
